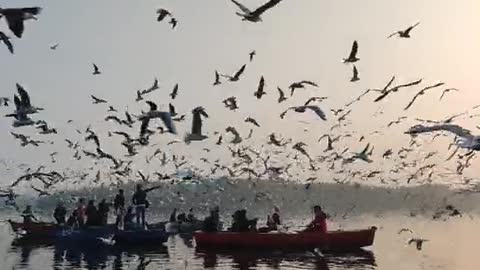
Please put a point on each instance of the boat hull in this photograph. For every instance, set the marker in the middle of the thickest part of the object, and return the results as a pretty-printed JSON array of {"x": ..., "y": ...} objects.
[
  {"x": 150, "y": 237},
  {"x": 40, "y": 230},
  {"x": 334, "y": 241}
]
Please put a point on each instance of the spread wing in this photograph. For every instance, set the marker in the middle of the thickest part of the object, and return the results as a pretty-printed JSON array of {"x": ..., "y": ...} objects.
[
  {"x": 6, "y": 41},
  {"x": 318, "y": 111},
  {"x": 270, "y": 4},
  {"x": 242, "y": 7},
  {"x": 167, "y": 120},
  {"x": 455, "y": 129},
  {"x": 353, "y": 52},
  {"x": 197, "y": 123},
  {"x": 153, "y": 106},
  {"x": 23, "y": 95},
  {"x": 309, "y": 83},
  {"x": 240, "y": 71},
  {"x": 407, "y": 31},
  {"x": 421, "y": 92}
]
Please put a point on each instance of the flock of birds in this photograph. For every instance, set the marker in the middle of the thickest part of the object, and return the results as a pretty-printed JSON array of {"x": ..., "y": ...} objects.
[{"x": 137, "y": 130}]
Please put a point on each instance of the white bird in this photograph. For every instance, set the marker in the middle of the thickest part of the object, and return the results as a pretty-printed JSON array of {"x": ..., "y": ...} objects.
[{"x": 466, "y": 139}]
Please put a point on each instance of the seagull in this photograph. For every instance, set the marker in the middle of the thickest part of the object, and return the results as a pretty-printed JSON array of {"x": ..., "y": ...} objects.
[
  {"x": 237, "y": 75},
  {"x": 196, "y": 134},
  {"x": 6, "y": 40},
  {"x": 355, "y": 75},
  {"x": 312, "y": 99},
  {"x": 418, "y": 242},
  {"x": 154, "y": 113},
  {"x": 362, "y": 155},
  {"x": 16, "y": 16},
  {"x": 254, "y": 16},
  {"x": 466, "y": 139},
  {"x": 231, "y": 103},
  {"x": 329, "y": 142},
  {"x": 352, "y": 58},
  {"x": 385, "y": 92},
  {"x": 405, "y": 33},
  {"x": 111, "y": 109},
  {"x": 404, "y": 230},
  {"x": 96, "y": 71},
  {"x": 260, "y": 92},
  {"x": 252, "y": 54},
  {"x": 4, "y": 101},
  {"x": 448, "y": 90},
  {"x": 45, "y": 130},
  {"x": 162, "y": 13},
  {"x": 171, "y": 109},
  {"x": 235, "y": 133},
  {"x": 174, "y": 92},
  {"x": 302, "y": 109},
  {"x": 252, "y": 121},
  {"x": 21, "y": 119},
  {"x": 154, "y": 86},
  {"x": 422, "y": 92},
  {"x": 300, "y": 148},
  {"x": 173, "y": 22},
  {"x": 22, "y": 103},
  {"x": 300, "y": 85},
  {"x": 281, "y": 95},
  {"x": 97, "y": 100},
  {"x": 54, "y": 46},
  {"x": 217, "y": 79}
]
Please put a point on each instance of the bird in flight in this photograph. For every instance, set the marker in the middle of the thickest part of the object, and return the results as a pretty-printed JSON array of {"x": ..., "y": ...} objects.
[
  {"x": 96, "y": 70},
  {"x": 252, "y": 54},
  {"x": 352, "y": 58},
  {"x": 254, "y": 16},
  {"x": 355, "y": 75},
  {"x": 418, "y": 242},
  {"x": 6, "y": 40},
  {"x": 302, "y": 109},
  {"x": 260, "y": 90},
  {"x": 4, "y": 101},
  {"x": 173, "y": 22},
  {"x": 385, "y": 92},
  {"x": 422, "y": 92},
  {"x": 404, "y": 33},
  {"x": 237, "y": 75},
  {"x": 448, "y": 90},
  {"x": 281, "y": 95},
  {"x": 217, "y": 79},
  {"x": 196, "y": 134},
  {"x": 54, "y": 46},
  {"x": 16, "y": 16},
  {"x": 174, "y": 91},
  {"x": 465, "y": 137},
  {"x": 97, "y": 100},
  {"x": 162, "y": 13},
  {"x": 300, "y": 85}
]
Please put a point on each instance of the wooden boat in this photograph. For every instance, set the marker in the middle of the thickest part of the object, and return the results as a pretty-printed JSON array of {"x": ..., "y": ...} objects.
[
  {"x": 88, "y": 235},
  {"x": 140, "y": 237},
  {"x": 333, "y": 240},
  {"x": 34, "y": 230}
]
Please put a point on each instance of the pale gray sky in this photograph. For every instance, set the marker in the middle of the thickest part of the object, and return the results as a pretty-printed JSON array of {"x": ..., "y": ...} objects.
[{"x": 299, "y": 39}]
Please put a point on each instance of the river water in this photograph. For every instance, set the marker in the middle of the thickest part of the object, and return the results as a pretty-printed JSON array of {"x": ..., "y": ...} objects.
[{"x": 451, "y": 245}]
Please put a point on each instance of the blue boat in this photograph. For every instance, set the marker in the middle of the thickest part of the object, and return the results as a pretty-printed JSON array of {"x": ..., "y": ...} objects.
[
  {"x": 140, "y": 237},
  {"x": 89, "y": 235}
]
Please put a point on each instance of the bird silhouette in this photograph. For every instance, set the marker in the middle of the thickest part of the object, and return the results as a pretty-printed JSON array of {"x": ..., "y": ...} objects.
[{"x": 254, "y": 16}]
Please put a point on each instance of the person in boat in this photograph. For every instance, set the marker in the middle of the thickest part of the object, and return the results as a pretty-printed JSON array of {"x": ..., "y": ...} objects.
[
  {"x": 141, "y": 203},
  {"x": 181, "y": 218},
  {"x": 81, "y": 212},
  {"x": 319, "y": 222},
  {"x": 103, "y": 209},
  {"x": 191, "y": 216},
  {"x": 28, "y": 216},
  {"x": 92, "y": 214},
  {"x": 119, "y": 206},
  {"x": 128, "y": 219},
  {"x": 212, "y": 222},
  {"x": 60, "y": 213},
  {"x": 72, "y": 221},
  {"x": 273, "y": 221},
  {"x": 241, "y": 223},
  {"x": 173, "y": 216}
]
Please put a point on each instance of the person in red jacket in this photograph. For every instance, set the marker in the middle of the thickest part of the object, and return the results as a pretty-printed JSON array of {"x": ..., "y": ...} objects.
[{"x": 319, "y": 223}]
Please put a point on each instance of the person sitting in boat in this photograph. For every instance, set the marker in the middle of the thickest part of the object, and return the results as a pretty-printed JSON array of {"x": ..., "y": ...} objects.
[
  {"x": 103, "y": 209},
  {"x": 92, "y": 214},
  {"x": 128, "y": 219},
  {"x": 191, "y": 216},
  {"x": 182, "y": 218},
  {"x": 241, "y": 223},
  {"x": 72, "y": 221},
  {"x": 273, "y": 221},
  {"x": 173, "y": 216},
  {"x": 81, "y": 212},
  {"x": 60, "y": 213},
  {"x": 119, "y": 205},
  {"x": 319, "y": 223},
  {"x": 28, "y": 216},
  {"x": 212, "y": 222}
]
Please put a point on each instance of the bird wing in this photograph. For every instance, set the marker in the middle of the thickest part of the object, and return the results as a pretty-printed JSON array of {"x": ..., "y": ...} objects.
[
  {"x": 281, "y": 93},
  {"x": 15, "y": 23},
  {"x": 455, "y": 129},
  {"x": 396, "y": 88},
  {"x": 6, "y": 41},
  {"x": 153, "y": 106},
  {"x": 421, "y": 92},
  {"x": 242, "y": 7},
  {"x": 393, "y": 34},
  {"x": 23, "y": 95},
  {"x": 197, "y": 123},
  {"x": 309, "y": 83},
  {"x": 364, "y": 151},
  {"x": 318, "y": 111},
  {"x": 382, "y": 96},
  {"x": 261, "y": 85},
  {"x": 355, "y": 71},
  {"x": 18, "y": 102},
  {"x": 171, "y": 109},
  {"x": 270, "y": 4},
  {"x": 167, "y": 120},
  {"x": 407, "y": 31},
  {"x": 353, "y": 52},
  {"x": 240, "y": 71}
]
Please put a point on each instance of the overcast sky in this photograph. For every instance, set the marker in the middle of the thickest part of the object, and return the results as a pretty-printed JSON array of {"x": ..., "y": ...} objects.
[{"x": 297, "y": 40}]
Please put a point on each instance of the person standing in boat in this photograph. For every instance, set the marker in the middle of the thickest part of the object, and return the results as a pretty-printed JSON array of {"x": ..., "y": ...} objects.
[
  {"x": 319, "y": 222},
  {"x": 212, "y": 222},
  {"x": 173, "y": 215},
  {"x": 60, "y": 213},
  {"x": 81, "y": 212},
  {"x": 139, "y": 200},
  {"x": 103, "y": 209},
  {"x": 28, "y": 216},
  {"x": 119, "y": 205},
  {"x": 92, "y": 214}
]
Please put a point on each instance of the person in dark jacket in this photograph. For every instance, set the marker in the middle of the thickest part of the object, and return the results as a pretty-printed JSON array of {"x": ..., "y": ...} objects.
[
  {"x": 139, "y": 200},
  {"x": 241, "y": 223},
  {"x": 72, "y": 221},
  {"x": 28, "y": 216},
  {"x": 60, "y": 213},
  {"x": 128, "y": 219},
  {"x": 212, "y": 222},
  {"x": 119, "y": 206},
  {"x": 173, "y": 215},
  {"x": 103, "y": 209},
  {"x": 92, "y": 214}
]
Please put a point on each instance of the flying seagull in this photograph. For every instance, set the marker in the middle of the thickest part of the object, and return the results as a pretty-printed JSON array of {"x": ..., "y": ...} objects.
[
  {"x": 418, "y": 242},
  {"x": 465, "y": 137},
  {"x": 254, "y": 16},
  {"x": 422, "y": 92},
  {"x": 352, "y": 58},
  {"x": 162, "y": 13},
  {"x": 217, "y": 78},
  {"x": 54, "y": 46},
  {"x": 448, "y": 90},
  {"x": 174, "y": 91},
  {"x": 281, "y": 95},
  {"x": 404, "y": 33},
  {"x": 302, "y": 109},
  {"x": 252, "y": 54},
  {"x": 16, "y": 16},
  {"x": 252, "y": 121},
  {"x": 97, "y": 100},
  {"x": 173, "y": 22},
  {"x": 196, "y": 134},
  {"x": 6, "y": 40},
  {"x": 355, "y": 75},
  {"x": 152, "y": 114},
  {"x": 4, "y": 101},
  {"x": 260, "y": 90},
  {"x": 385, "y": 92},
  {"x": 22, "y": 102},
  {"x": 96, "y": 70},
  {"x": 237, "y": 75},
  {"x": 300, "y": 85}
]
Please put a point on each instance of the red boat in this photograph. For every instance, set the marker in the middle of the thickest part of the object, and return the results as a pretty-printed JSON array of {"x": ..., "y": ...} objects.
[
  {"x": 334, "y": 240},
  {"x": 35, "y": 229}
]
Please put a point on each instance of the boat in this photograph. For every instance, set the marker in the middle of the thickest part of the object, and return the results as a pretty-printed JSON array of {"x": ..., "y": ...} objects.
[
  {"x": 331, "y": 241},
  {"x": 88, "y": 235},
  {"x": 36, "y": 230},
  {"x": 140, "y": 237}
]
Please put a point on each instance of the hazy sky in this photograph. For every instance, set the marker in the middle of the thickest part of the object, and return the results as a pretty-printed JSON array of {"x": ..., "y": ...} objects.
[{"x": 298, "y": 40}]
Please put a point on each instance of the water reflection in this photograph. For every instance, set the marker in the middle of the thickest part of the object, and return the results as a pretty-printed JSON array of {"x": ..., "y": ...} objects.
[{"x": 253, "y": 259}]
